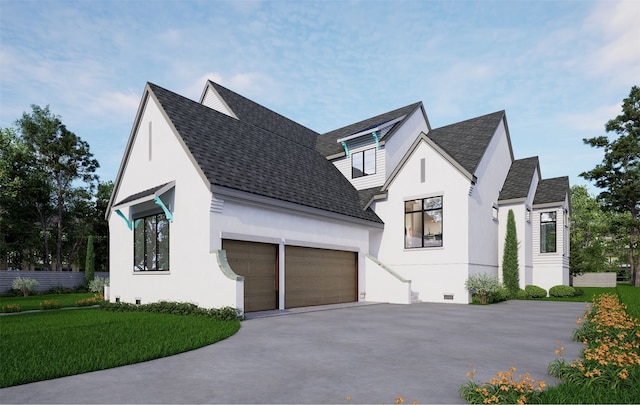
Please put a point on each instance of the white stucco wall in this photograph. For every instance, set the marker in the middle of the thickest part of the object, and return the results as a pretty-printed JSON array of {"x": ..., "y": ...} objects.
[
  {"x": 483, "y": 229},
  {"x": 194, "y": 274},
  {"x": 259, "y": 222},
  {"x": 398, "y": 145},
  {"x": 434, "y": 271}
]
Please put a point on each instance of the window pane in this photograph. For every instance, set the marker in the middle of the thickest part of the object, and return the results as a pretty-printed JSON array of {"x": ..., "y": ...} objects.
[
  {"x": 433, "y": 228},
  {"x": 413, "y": 230},
  {"x": 163, "y": 243},
  {"x": 433, "y": 202},
  {"x": 413, "y": 205},
  {"x": 138, "y": 245},
  {"x": 370, "y": 161},
  {"x": 548, "y": 217},
  {"x": 357, "y": 165},
  {"x": 548, "y": 237},
  {"x": 150, "y": 242}
]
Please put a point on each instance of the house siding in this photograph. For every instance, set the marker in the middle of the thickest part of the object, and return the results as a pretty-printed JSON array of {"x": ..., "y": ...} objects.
[
  {"x": 212, "y": 100},
  {"x": 193, "y": 273},
  {"x": 262, "y": 223},
  {"x": 491, "y": 173},
  {"x": 550, "y": 269},
  {"x": 344, "y": 164},
  {"x": 433, "y": 271}
]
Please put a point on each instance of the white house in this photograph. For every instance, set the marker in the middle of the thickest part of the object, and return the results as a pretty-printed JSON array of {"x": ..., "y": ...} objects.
[{"x": 224, "y": 202}]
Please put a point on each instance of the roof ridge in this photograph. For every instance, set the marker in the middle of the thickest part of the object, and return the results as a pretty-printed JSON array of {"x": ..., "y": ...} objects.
[
  {"x": 373, "y": 117},
  {"x": 502, "y": 112}
]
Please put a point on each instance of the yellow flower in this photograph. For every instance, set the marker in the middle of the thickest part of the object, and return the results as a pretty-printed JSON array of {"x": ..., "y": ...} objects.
[{"x": 399, "y": 400}]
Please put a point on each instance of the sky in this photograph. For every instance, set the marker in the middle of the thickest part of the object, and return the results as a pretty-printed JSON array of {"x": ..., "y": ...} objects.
[{"x": 560, "y": 69}]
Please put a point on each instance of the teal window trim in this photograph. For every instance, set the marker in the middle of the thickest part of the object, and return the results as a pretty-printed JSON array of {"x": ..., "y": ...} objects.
[
  {"x": 167, "y": 213},
  {"x": 375, "y": 138},
  {"x": 129, "y": 224}
]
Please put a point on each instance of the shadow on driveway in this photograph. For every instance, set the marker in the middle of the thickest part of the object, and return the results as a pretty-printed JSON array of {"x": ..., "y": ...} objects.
[{"x": 370, "y": 353}]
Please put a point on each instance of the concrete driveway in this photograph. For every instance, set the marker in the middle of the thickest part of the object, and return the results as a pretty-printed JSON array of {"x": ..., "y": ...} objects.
[{"x": 371, "y": 353}]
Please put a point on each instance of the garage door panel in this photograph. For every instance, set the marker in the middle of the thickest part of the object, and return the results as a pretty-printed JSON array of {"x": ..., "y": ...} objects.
[
  {"x": 319, "y": 276},
  {"x": 257, "y": 263}
]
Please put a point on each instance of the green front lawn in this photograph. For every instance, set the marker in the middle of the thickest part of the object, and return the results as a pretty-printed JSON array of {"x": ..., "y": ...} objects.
[
  {"x": 589, "y": 292},
  {"x": 45, "y": 345},
  {"x": 33, "y": 301}
]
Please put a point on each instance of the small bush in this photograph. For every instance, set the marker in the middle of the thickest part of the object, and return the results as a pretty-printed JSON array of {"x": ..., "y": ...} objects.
[
  {"x": 533, "y": 291},
  {"x": 176, "y": 308},
  {"x": 59, "y": 289},
  {"x": 483, "y": 285},
  {"x": 25, "y": 285},
  {"x": 502, "y": 294},
  {"x": 579, "y": 292},
  {"x": 562, "y": 291},
  {"x": 97, "y": 284},
  {"x": 522, "y": 295},
  {"x": 49, "y": 304},
  {"x": 11, "y": 308}
]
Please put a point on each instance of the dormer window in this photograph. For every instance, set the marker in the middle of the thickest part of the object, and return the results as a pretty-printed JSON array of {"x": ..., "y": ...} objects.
[{"x": 363, "y": 163}]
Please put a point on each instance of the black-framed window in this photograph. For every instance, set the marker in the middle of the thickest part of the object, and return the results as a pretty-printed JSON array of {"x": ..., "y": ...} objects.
[
  {"x": 363, "y": 163},
  {"x": 151, "y": 243},
  {"x": 423, "y": 222},
  {"x": 548, "y": 232}
]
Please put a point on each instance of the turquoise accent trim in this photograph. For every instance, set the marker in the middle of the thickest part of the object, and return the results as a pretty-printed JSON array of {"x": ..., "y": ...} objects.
[
  {"x": 136, "y": 223},
  {"x": 346, "y": 150},
  {"x": 375, "y": 138},
  {"x": 167, "y": 213},
  {"x": 129, "y": 224}
]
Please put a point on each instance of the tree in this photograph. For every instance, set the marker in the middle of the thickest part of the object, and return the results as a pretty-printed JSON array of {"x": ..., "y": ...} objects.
[
  {"x": 619, "y": 172},
  {"x": 25, "y": 201},
  {"x": 64, "y": 157},
  {"x": 592, "y": 234},
  {"x": 90, "y": 265},
  {"x": 510, "y": 268}
]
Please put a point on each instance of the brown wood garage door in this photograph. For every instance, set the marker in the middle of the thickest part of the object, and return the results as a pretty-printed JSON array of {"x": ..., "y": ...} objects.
[
  {"x": 258, "y": 263},
  {"x": 319, "y": 276}
]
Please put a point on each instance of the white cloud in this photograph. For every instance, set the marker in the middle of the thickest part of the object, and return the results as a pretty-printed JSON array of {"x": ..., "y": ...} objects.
[
  {"x": 590, "y": 121},
  {"x": 618, "y": 24}
]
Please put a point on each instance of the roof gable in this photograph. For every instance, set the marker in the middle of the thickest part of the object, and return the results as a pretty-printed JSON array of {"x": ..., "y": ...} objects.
[
  {"x": 518, "y": 181},
  {"x": 238, "y": 155},
  {"x": 262, "y": 117},
  {"x": 551, "y": 191},
  {"x": 467, "y": 141},
  {"x": 327, "y": 144}
]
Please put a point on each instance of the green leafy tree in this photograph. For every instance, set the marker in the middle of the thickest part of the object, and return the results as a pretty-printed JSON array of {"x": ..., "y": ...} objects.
[
  {"x": 589, "y": 233},
  {"x": 619, "y": 172},
  {"x": 63, "y": 156},
  {"x": 90, "y": 264},
  {"x": 100, "y": 226},
  {"x": 26, "y": 208},
  {"x": 510, "y": 268}
]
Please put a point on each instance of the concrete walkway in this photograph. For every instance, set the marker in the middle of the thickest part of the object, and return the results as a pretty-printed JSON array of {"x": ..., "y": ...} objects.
[{"x": 371, "y": 353}]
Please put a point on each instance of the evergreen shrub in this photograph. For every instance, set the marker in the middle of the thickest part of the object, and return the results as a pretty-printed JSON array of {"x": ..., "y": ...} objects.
[
  {"x": 533, "y": 291},
  {"x": 562, "y": 291}
]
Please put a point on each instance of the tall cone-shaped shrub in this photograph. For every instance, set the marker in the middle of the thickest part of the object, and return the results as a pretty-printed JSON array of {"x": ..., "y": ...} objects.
[
  {"x": 90, "y": 263},
  {"x": 510, "y": 268}
]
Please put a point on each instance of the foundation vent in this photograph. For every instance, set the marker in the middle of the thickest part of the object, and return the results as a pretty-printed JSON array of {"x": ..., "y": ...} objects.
[{"x": 448, "y": 297}]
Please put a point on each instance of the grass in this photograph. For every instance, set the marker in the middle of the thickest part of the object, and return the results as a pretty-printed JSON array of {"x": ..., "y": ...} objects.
[
  {"x": 631, "y": 298},
  {"x": 44, "y": 345},
  {"x": 33, "y": 301}
]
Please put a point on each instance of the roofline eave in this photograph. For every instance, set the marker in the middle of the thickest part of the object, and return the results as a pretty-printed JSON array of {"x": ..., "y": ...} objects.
[{"x": 262, "y": 201}]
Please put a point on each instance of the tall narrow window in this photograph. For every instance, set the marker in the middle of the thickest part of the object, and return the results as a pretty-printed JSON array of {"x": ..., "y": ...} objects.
[
  {"x": 363, "y": 163},
  {"x": 423, "y": 222},
  {"x": 151, "y": 243},
  {"x": 547, "y": 232}
]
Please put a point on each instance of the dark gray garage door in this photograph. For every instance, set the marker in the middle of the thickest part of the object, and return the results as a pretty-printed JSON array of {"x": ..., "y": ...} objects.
[
  {"x": 258, "y": 263},
  {"x": 319, "y": 276}
]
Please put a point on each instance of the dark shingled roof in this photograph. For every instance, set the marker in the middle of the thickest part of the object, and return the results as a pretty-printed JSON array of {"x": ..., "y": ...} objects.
[
  {"x": 141, "y": 194},
  {"x": 367, "y": 194},
  {"x": 553, "y": 190},
  {"x": 467, "y": 141},
  {"x": 260, "y": 116},
  {"x": 518, "y": 180},
  {"x": 327, "y": 144},
  {"x": 239, "y": 155}
]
